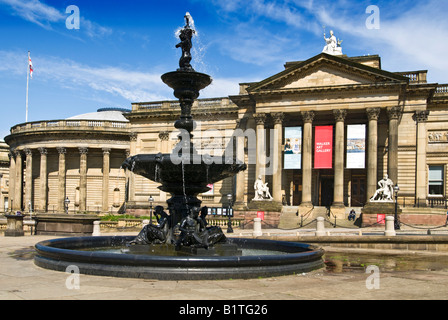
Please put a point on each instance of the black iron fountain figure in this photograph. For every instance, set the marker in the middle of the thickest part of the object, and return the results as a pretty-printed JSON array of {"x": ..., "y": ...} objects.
[{"x": 184, "y": 173}]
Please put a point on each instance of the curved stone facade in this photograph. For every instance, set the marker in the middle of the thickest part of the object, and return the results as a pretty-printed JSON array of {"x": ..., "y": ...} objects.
[{"x": 75, "y": 159}]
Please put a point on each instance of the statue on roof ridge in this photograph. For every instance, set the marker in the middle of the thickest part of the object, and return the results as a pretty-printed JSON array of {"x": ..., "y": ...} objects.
[{"x": 333, "y": 46}]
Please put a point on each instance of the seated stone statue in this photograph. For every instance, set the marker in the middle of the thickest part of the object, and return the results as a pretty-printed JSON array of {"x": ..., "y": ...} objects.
[
  {"x": 385, "y": 192},
  {"x": 261, "y": 190}
]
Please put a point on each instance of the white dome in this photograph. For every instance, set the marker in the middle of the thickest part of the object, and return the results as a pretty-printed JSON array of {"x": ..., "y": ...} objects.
[{"x": 102, "y": 115}]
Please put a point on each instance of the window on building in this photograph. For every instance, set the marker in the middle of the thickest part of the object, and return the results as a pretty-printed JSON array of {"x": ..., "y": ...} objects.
[{"x": 436, "y": 180}]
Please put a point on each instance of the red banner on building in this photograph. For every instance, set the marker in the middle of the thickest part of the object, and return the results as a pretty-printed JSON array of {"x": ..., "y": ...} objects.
[{"x": 323, "y": 147}]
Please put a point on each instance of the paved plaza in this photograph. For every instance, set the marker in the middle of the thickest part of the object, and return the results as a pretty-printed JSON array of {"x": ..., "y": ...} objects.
[{"x": 20, "y": 279}]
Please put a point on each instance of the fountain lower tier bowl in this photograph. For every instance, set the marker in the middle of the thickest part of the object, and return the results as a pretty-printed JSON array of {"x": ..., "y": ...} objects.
[
  {"x": 106, "y": 256},
  {"x": 183, "y": 177}
]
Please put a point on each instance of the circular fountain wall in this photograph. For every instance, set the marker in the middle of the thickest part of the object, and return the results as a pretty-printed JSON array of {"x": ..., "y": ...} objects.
[{"x": 91, "y": 256}]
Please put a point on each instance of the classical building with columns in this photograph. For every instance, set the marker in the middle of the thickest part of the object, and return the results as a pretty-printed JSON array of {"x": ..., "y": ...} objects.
[
  {"x": 321, "y": 133},
  {"x": 76, "y": 159}
]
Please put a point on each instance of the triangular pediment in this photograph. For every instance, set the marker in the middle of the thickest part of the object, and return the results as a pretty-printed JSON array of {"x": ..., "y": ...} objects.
[{"x": 325, "y": 71}]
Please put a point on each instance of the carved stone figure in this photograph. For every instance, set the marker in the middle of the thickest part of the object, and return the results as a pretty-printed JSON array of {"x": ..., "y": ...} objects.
[
  {"x": 261, "y": 190},
  {"x": 333, "y": 46},
  {"x": 385, "y": 192}
]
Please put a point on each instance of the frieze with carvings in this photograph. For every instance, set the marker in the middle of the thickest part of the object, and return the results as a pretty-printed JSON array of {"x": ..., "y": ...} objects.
[{"x": 438, "y": 137}]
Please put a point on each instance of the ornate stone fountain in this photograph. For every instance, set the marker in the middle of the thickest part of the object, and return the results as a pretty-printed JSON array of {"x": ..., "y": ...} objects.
[
  {"x": 181, "y": 246},
  {"x": 184, "y": 173}
]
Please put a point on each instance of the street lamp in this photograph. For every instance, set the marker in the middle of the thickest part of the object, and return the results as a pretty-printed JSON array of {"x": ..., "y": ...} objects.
[
  {"x": 151, "y": 200},
  {"x": 66, "y": 203},
  {"x": 229, "y": 210},
  {"x": 396, "y": 223}
]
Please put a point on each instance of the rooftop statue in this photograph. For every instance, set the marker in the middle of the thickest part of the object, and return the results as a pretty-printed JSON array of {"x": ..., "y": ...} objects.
[{"x": 333, "y": 46}]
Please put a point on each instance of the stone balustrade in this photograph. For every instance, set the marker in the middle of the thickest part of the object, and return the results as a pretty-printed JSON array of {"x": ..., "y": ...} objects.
[{"x": 81, "y": 125}]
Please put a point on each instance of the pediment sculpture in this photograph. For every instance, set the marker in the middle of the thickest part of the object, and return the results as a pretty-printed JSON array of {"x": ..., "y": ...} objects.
[{"x": 333, "y": 46}]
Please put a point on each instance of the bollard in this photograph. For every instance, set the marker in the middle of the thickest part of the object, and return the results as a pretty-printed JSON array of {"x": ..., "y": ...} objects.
[
  {"x": 257, "y": 227},
  {"x": 96, "y": 229},
  {"x": 320, "y": 228},
  {"x": 390, "y": 230}
]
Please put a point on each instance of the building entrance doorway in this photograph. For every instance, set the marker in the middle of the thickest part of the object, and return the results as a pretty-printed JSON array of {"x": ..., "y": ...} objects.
[
  {"x": 359, "y": 194},
  {"x": 326, "y": 192}
]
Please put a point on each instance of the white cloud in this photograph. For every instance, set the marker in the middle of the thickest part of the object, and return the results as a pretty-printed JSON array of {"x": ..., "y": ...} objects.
[
  {"x": 94, "y": 81},
  {"x": 35, "y": 11},
  {"x": 50, "y": 18}
]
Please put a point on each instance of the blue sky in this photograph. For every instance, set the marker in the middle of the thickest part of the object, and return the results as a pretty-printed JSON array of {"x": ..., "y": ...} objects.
[{"x": 121, "y": 48}]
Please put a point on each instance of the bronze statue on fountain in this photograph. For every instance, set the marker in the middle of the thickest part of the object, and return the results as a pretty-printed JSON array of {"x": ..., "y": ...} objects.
[{"x": 183, "y": 173}]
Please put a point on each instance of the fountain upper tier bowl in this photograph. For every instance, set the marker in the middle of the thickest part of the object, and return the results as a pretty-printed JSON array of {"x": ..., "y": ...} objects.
[{"x": 180, "y": 178}]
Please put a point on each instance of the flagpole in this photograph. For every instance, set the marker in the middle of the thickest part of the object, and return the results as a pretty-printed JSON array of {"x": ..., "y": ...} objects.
[{"x": 27, "y": 85}]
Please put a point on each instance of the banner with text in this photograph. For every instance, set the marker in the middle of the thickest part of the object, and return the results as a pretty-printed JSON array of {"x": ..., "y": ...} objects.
[
  {"x": 356, "y": 146},
  {"x": 323, "y": 147},
  {"x": 293, "y": 148}
]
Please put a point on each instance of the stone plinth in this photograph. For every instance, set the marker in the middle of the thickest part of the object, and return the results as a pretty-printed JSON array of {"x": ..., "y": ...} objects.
[
  {"x": 64, "y": 224},
  {"x": 265, "y": 205},
  {"x": 14, "y": 226},
  {"x": 371, "y": 211}
]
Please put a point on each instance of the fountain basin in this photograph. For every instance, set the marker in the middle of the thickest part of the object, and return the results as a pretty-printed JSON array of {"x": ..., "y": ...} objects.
[
  {"x": 294, "y": 257},
  {"x": 178, "y": 178}
]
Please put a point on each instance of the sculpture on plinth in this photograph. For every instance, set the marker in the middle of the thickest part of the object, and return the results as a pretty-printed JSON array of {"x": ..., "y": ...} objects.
[
  {"x": 261, "y": 190},
  {"x": 385, "y": 192},
  {"x": 333, "y": 46}
]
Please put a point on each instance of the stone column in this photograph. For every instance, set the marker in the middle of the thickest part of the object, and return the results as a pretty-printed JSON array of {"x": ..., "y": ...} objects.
[
  {"x": 394, "y": 114},
  {"x": 421, "y": 189},
  {"x": 277, "y": 157},
  {"x": 29, "y": 180},
  {"x": 241, "y": 176},
  {"x": 308, "y": 117},
  {"x": 260, "y": 119},
  {"x": 164, "y": 137},
  {"x": 12, "y": 179},
  {"x": 83, "y": 179},
  {"x": 43, "y": 201},
  {"x": 372, "y": 156},
  {"x": 106, "y": 170},
  {"x": 61, "y": 179},
  {"x": 339, "y": 116},
  {"x": 18, "y": 199},
  {"x": 131, "y": 179}
]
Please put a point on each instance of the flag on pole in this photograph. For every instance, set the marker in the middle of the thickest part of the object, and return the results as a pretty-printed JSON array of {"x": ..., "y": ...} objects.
[{"x": 30, "y": 64}]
